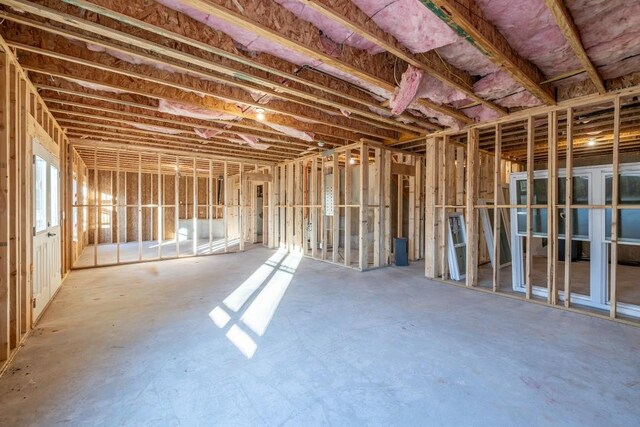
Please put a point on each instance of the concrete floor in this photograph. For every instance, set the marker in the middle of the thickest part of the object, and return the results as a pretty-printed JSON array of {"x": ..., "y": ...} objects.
[{"x": 135, "y": 345}]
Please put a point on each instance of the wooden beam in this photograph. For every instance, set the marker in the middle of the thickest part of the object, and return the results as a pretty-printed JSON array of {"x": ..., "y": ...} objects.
[
  {"x": 402, "y": 169},
  {"x": 565, "y": 22},
  {"x": 466, "y": 18},
  {"x": 258, "y": 176}
]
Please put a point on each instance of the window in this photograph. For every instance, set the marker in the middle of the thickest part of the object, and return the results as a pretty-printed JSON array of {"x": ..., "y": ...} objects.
[
  {"x": 539, "y": 219},
  {"x": 40, "y": 194},
  {"x": 580, "y": 217},
  {"x": 628, "y": 219},
  {"x": 55, "y": 197}
]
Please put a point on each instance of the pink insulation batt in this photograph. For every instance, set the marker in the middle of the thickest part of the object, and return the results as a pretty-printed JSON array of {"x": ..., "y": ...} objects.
[
  {"x": 336, "y": 32},
  {"x": 610, "y": 33},
  {"x": 418, "y": 29},
  {"x": 411, "y": 23},
  {"x": 416, "y": 84},
  {"x": 531, "y": 30}
]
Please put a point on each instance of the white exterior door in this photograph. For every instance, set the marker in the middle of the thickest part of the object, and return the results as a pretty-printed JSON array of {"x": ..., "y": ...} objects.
[{"x": 47, "y": 274}]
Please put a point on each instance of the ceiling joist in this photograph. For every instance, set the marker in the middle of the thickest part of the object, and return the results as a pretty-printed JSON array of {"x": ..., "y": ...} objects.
[
  {"x": 350, "y": 16},
  {"x": 568, "y": 27},
  {"x": 466, "y": 18},
  {"x": 278, "y": 25}
]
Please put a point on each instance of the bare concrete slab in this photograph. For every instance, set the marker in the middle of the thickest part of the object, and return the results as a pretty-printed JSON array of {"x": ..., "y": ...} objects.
[{"x": 311, "y": 344}]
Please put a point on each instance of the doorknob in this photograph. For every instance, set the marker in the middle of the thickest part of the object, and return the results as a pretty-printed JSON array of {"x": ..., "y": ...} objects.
[{"x": 51, "y": 234}]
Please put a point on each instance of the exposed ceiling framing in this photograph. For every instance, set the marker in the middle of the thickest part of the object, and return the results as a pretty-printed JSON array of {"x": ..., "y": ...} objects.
[{"x": 104, "y": 67}]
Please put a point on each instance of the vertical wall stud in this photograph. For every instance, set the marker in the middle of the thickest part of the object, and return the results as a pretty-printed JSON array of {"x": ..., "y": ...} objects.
[
  {"x": 497, "y": 217},
  {"x": 472, "y": 213},
  {"x": 615, "y": 192},
  {"x": 568, "y": 214},
  {"x": 364, "y": 207},
  {"x": 528, "y": 245}
]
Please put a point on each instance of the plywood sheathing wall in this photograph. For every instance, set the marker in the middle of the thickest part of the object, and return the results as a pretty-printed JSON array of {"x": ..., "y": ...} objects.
[{"x": 24, "y": 115}]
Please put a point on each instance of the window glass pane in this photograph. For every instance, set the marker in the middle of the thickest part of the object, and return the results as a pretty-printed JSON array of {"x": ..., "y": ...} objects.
[
  {"x": 580, "y": 196},
  {"x": 628, "y": 219},
  {"x": 539, "y": 217},
  {"x": 40, "y": 194},
  {"x": 74, "y": 213},
  {"x": 55, "y": 206}
]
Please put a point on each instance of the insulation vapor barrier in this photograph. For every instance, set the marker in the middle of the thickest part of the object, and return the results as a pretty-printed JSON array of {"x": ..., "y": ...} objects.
[
  {"x": 159, "y": 129},
  {"x": 192, "y": 111}
]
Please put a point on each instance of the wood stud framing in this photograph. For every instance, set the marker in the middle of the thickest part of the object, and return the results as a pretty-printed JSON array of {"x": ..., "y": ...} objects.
[{"x": 559, "y": 142}]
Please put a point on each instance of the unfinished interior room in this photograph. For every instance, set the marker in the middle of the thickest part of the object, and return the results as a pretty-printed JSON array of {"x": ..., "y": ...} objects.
[{"x": 319, "y": 212}]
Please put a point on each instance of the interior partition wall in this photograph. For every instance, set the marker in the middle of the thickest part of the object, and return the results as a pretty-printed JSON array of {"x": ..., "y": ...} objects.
[
  {"x": 132, "y": 206},
  {"x": 564, "y": 182},
  {"x": 346, "y": 205}
]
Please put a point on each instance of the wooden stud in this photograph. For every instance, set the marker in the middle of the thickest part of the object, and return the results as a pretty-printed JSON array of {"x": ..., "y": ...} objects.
[
  {"x": 139, "y": 207},
  {"x": 5, "y": 208},
  {"x": 118, "y": 204},
  {"x": 335, "y": 219},
  {"x": 323, "y": 216},
  {"x": 568, "y": 213},
  {"x": 412, "y": 212},
  {"x": 615, "y": 194},
  {"x": 552, "y": 200},
  {"x": 194, "y": 207},
  {"x": 314, "y": 210},
  {"x": 472, "y": 200},
  {"x": 96, "y": 207},
  {"x": 176, "y": 208},
  {"x": 497, "y": 215},
  {"x": 386, "y": 201},
  {"x": 375, "y": 192},
  {"x": 283, "y": 208},
  {"x": 443, "y": 234},
  {"x": 348, "y": 200},
  {"x": 431, "y": 222},
  {"x": 528, "y": 245},
  {"x": 364, "y": 208},
  {"x": 225, "y": 209}
]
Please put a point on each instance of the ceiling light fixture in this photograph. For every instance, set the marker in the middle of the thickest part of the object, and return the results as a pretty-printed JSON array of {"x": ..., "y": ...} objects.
[
  {"x": 352, "y": 161},
  {"x": 260, "y": 113},
  {"x": 320, "y": 143},
  {"x": 591, "y": 142}
]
